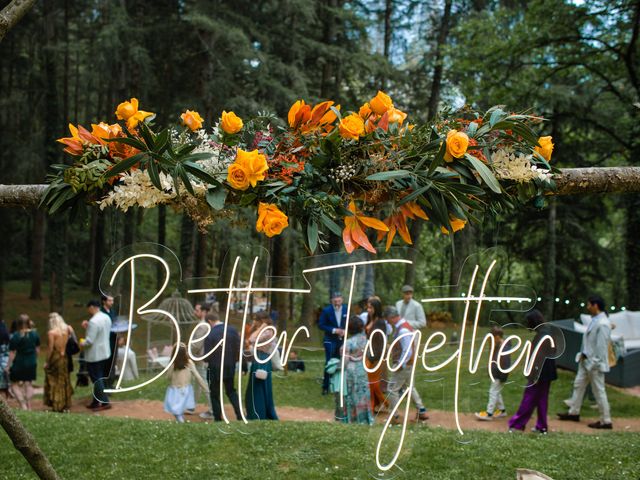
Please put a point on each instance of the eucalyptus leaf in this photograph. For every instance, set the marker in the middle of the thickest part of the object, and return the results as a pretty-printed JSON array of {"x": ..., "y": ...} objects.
[
  {"x": 389, "y": 175},
  {"x": 216, "y": 197},
  {"x": 312, "y": 235}
]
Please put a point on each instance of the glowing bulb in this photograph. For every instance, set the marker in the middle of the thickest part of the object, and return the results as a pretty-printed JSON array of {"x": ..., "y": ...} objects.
[
  {"x": 566, "y": 302},
  {"x": 557, "y": 299}
]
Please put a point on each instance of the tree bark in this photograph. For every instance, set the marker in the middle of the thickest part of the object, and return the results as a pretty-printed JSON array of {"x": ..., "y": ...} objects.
[
  {"x": 12, "y": 14},
  {"x": 187, "y": 247},
  {"x": 280, "y": 276},
  {"x": 549, "y": 291},
  {"x": 24, "y": 442}
]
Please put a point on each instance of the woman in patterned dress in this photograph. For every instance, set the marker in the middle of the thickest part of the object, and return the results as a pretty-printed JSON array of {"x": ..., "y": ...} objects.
[{"x": 357, "y": 398}]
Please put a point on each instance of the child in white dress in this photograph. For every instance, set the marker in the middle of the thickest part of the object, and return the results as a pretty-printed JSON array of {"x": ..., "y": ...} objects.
[{"x": 179, "y": 396}]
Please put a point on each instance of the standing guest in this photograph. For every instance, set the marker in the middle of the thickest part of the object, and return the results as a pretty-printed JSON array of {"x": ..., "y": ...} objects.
[
  {"x": 411, "y": 310},
  {"x": 216, "y": 370},
  {"x": 536, "y": 393},
  {"x": 97, "y": 353},
  {"x": 593, "y": 363},
  {"x": 24, "y": 348},
  {"x": 333, "y": 319},
  {"x": 376, "y": 330},
  {"x": 179, "y": 395},
  {"x": 57, "y": 385},
  {"x": 107, "y": 308},
  {"x": 14, "y": 324},
  {"x": 357, "y": 398},
  {"x": 200, "y": 310},
  {"x": 4, "y": 358},
  {"x": 259, "y": 393},
  {"x": 403, "y": 356},
  {"x": 498, "y": 380},
  {"x": 129, "y": 371}
]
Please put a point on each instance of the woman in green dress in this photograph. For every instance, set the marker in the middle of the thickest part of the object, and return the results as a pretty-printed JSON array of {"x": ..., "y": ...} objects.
[
  {"x": 24, "y": 348},
  {"x": 357, "y": 398},
  {"x": 259, "y": 394}
]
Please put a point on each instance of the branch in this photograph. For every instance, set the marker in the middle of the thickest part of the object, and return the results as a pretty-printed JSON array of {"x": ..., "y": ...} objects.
[
  {"x": 25, "y": 196},
  {"x": 24, "y": 442},
  {"x": 585, "y": 181},
  {"x": 12, "y": 13}
]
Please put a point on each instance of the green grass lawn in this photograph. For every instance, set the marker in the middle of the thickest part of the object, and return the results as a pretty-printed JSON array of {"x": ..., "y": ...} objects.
[{"x": 90, "y": 447}]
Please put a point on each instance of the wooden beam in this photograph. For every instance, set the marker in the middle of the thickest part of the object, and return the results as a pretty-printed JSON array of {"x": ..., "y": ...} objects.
[{"x": 570, "y": 181}]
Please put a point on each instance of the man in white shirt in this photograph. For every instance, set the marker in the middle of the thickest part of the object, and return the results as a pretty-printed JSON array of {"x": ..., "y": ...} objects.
[
  {"x": 411, "y": 310},
  {"x": 97, "y": 352},
  {"x": 593, "y": 363},
  {"x": 403, "y": 351}
]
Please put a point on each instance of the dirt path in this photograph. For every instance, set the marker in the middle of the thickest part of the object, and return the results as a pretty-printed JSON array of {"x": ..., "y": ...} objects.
[{"x": 153, "y": 410}]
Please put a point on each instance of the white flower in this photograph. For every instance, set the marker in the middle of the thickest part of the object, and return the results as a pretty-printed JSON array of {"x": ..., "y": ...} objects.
[
  {"x": 136, "y": 189},
  {"x": 511, "y": 166}
]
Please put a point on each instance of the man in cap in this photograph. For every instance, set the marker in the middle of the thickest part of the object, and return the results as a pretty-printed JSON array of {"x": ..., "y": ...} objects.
[
  {"x": 403, "y": 355},
  {"x": 411, "y": 310},
  {"x": 333, "y": 320}
]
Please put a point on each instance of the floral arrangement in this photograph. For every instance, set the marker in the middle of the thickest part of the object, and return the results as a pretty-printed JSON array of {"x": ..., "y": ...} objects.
[{"x": 349, "y": 173}]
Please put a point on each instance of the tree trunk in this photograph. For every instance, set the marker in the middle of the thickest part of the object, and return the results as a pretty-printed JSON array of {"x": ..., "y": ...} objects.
[
  {"x": 25, "y": 443},
  {"x": 280, "y": 272},
  {"x": 187, "y": 247},
  {"x": 130, "y": 226},
  {"x": 57, "y": 248},
  {"x": 550, "y": 258},
  {"x": 463, "y": 245},
  {"x": 388, "y": 13},
  {"x": 201, "y": 259},
  {"x": 633, "y": 252},
  {"x": 162, "y": 238},
  {"x": 37, "y": 254}
]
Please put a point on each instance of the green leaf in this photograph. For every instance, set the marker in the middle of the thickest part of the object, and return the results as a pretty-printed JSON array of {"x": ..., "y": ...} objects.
[
  {"x": 496, "y": 115},
  {"x": 148, "y": 135},
  {"x": 415, "y": 193},
  {"x": 247, "y": 199},
  {"x": 161, "y": 140},
  {"x": 472, "y": 129},
  {"x": 182, "y": 173},
  {"x": 193, "y": 157},
  {"x": 331, "y": 225},
  {"x": 391, "y": 174},
  {"x": 312, "y": 235},
  {"x": 195, "y": 170},
  {"x": 124, "y": 165},
  {"x": 216, "y": 197},
  {"x": 132, "y": 142},
  {"x": 485, "y": 173},
  {"x": 154, "y": 176},
  {"x": 437, "y": 161}
]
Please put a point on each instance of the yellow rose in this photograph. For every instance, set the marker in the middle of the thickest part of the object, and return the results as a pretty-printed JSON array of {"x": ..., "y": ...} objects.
[
  {"x": 352, "y": 127},
  {"x": 365, "y": 111},
  {"x": 457, "y": 143},
  {"x": 546, "y": 147},
  {"x": 231, "y": 123},
  {"x": 129, "y": 112},
  {"x": 396, "y": 116},
  {"x": 237, "y": 177},
  {"x": 192, "y": 119},
  {"x": 271, "y": 220},
  {"x": 254, "y": 165},
  {"x": 456, "y": 224},
  {"x": 380, "y": 103}
]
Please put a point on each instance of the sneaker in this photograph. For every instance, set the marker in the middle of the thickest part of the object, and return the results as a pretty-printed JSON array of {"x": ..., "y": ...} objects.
[
  {"x": 499, "y": 414},
  {"x": 600, "y": 425},
  {"x": 542, "y": 431},
  {"x": 515, "y": 430},
  {"x": 190, "y": 411},
  {"x": 422, "y": 415},
  {"x": 206, "y": 415},
  {"x": 569, "y": 416},
  {"x": 484, "y": 416}
]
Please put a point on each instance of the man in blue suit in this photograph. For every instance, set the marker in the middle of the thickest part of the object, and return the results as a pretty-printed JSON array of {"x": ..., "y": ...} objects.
[{"x": 333, "y": 319}]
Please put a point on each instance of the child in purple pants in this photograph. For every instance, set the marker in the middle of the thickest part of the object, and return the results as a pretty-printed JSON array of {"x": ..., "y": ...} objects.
[{"x": 536, "y": 393}]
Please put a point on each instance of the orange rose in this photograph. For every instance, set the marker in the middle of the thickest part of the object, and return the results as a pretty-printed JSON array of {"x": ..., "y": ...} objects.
[
  {"x": 237, "y": 177},
  {"x": 396, "y": 116},
  {"x": 192, "y": 119},
  {"x": 457, "y": 143},
  {"x": 271, "y": 220},
  {"x": 365, "y": 111},
  {"x": 254, "y": 165},
  {"x": 129, "y": 112},
  {"x": 231, "y": 123},
  {"x": 546, "y": 148},
  {"x": 352, "y": 127},
  {"x": 380, "y": 103}
]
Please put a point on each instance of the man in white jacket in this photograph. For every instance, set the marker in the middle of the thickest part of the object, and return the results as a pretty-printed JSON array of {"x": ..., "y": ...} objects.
[
  {"x": 97, "y": 352},
  {"x": 593, "y": 363},
  {"x": 411, "y": 310}
]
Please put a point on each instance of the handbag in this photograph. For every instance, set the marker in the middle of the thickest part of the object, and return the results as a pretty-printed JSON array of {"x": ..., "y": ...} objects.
[
  {"x": 72, "y": 346},
  {"x": 261, "y": 374}
]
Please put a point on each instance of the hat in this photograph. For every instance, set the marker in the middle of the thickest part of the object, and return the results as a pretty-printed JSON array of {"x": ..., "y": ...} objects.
[
  {"x": 336, "y": 294},
  {"x": 391, "y": 312},
  {"x": 407, "y": 288}
]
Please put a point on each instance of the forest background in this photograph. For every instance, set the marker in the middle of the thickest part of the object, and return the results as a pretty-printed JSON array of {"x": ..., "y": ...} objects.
[{"x": 575, "y": 63}]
